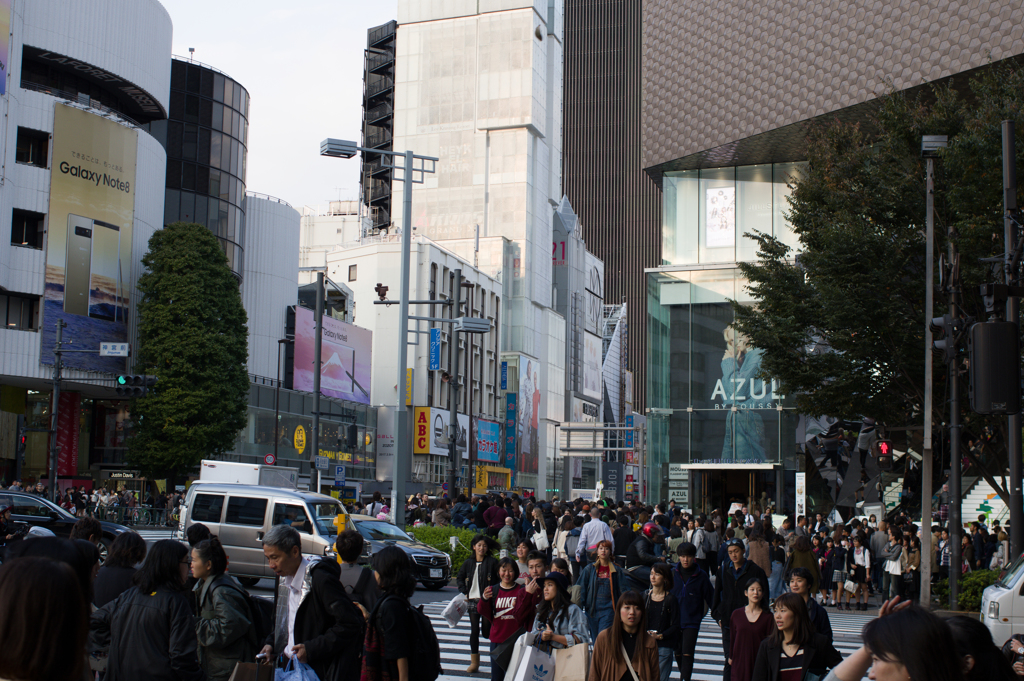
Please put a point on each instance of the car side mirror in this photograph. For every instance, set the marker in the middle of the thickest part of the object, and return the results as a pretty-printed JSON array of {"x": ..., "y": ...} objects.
[{"x": 54, "y": 515}]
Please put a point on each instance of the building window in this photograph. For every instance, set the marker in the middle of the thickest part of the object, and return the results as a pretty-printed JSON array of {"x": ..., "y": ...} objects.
[
  {"x": 19, "y": 312},
  {"x": 352, "y": 272},
  {"x": 33, "y": 146},
  {"x": 27, "y": 228}
]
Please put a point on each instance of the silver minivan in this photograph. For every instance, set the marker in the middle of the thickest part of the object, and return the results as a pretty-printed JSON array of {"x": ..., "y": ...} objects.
[{"x": 241, "y": 514}]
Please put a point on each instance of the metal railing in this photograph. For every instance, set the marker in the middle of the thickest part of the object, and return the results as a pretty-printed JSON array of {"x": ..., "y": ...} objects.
[
  {"x": 379, "y": 190},
  {"x": 378, "y": 140},
  {"x": 381, "y": 219},
  {"x": 382, "y": 32},
  {"x": 375, "y": 60},
  {"x": 378, "y": 112},
  {"x": 378, "y": 85},
  {"x": 80, "y": 99},
  {"x": 267, "y": 197}
]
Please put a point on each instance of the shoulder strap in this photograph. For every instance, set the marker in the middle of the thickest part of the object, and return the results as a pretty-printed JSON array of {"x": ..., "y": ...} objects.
[{"x": 628, "y": 663}]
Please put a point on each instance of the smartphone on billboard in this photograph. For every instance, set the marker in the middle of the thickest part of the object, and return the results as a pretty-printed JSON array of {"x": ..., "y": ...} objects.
[
  {"x": 77, "y": 268},
  {"x": 105, "y": 275}
]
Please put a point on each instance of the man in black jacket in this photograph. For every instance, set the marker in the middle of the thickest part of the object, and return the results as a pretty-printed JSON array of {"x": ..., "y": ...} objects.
[
  {"x": 317, "y": 622},
  {"x": 730, "y": 586}
]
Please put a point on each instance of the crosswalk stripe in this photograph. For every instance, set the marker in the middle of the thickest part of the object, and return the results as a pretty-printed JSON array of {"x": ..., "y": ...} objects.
[{"x": 455, "y": 647}]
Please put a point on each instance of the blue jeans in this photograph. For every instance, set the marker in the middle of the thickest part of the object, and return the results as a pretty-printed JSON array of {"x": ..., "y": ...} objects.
[
  {"x": 665, "y": 662},
  {"x": 600, "y": 621}
]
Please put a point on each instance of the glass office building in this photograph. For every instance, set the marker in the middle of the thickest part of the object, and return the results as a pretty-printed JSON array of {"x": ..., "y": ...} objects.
[
  {"x": 711, "y": 410},
  {"x": 206, "y": 137}
]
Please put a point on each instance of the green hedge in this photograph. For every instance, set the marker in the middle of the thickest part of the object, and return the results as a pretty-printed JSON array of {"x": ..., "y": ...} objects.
[
  {"x": 971, "y": 587},
  {"x": 438, "y": 537}
]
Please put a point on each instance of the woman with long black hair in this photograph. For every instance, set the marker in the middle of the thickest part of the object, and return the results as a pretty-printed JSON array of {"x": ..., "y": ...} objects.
[
  {"x": 150, "y": 626},
  {"x": 389, "y": 635},
  {"x": 794, "y": 649},
  {"x": 224, "y": 627},
  {"x": 626, "y": 649},
  {"x": 559, "y": 623},
  {"x": 115, "y": 577},
  {"x": 478, "y": 572}
]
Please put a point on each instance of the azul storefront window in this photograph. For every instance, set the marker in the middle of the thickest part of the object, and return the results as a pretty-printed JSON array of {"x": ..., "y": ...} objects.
[
  {"x": 707, "y": 212},
  {"x": 713, "y": 406}
]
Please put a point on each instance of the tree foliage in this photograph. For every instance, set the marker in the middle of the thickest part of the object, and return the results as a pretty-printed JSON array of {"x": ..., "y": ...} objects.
[
  {"x": 842, "y": 324},
  {"x": 193, "y": 337}
]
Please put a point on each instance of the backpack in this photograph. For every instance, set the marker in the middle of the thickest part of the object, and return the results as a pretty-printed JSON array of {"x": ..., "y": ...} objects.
[
  {"x": 572, "y": 542},
  {"x": 425, "y": 649},
  {"x": 708, "y": 544},
  {"x": 261, "y": 611},
  {"x": 354, "y": 592}
]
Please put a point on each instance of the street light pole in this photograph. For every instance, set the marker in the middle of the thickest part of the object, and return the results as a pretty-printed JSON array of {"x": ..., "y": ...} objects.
[
  {"x": 453, "y": 389},
  {"x": 277, "y": 397},
  {"x": 58, "y": 365},
  {"x": 317, "y": 364},
  {"x": 926, "y": 454}
]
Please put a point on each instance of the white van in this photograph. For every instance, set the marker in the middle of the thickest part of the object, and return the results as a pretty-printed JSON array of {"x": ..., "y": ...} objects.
[
  {"x": 1002, "y": 604},
  {"x": 241, "y": 514}
]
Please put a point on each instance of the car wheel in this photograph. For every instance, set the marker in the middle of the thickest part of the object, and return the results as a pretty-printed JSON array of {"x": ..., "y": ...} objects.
[
  {"x": 104, "y": 547},
  {"x": 435, "y": 586},
  {"x": 248, "y": 581}
]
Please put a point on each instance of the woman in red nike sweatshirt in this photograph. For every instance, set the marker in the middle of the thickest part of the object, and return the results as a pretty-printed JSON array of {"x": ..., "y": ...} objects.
[{"x": 509, "y": 608}]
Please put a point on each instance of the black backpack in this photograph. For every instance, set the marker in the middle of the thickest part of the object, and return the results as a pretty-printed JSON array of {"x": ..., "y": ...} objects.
[
  {"x": 425, "y": 649},
  {"x": 261, "y": 612}
]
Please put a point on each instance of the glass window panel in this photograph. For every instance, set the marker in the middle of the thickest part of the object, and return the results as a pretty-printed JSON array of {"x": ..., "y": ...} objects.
[
  {"x": 218, "y": 87},
  {"x": 236, "y": 126},
  {"x": 178, "y": 75},
  {"x": 680, "y": 228},
  {"x": 188, "y": 207},
  {"x": 225, "y": 153},
  {"x": 754, "y": 191},
  {"x": 205, "y": 112},
  {"x": 717, "y": 215},
  {"x": 173, "y": 174},
  {"x": 206, "y": 84},
  {"x": 203, "y": 152},
  {"x": 228, "y": 92},
  {"x": 229, "y": 117},
  {"x": 203, "y": 179},
  {"x": 206, "y": 508},
  {"x": 202, "y": 209},
  {"x": 193, "y": 76},
  {"x": 785, "y": 173},
  {"x": 246, "y": 511},
  {"x": 215, "y": 152},
  {"x": 236, "y": 99},
  {"x": 188, "y": 176},
  {"x": 175, "y": 131},
  {"x": 177, "y": 105},
  {"x": 218, "y": 117},
  {"x": 192, "y": 109},
  {"x": 171, "y": 199},
  {"x": 293, "y": 515},
  {"x": 190, "y": 142},
  {"x": 212, "y": 212}
]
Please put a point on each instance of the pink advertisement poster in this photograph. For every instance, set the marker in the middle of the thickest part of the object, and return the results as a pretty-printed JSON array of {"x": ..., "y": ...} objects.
[{"x": 345, "y": 357}]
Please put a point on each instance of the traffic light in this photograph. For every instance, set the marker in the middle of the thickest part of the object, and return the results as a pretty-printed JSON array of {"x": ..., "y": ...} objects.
[
  {"x": 884, "y": 448},
  {"x": 944, "y": 337},
  {"x": 883, "y": 454},
  {"x": 133, "y": 385},
  {"x": 993, "y": 350}
]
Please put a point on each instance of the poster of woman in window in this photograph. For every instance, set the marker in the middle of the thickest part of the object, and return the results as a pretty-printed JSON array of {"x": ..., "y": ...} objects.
[
  {"x": 529, "y": 414},
  {"x": 742, "y": 392}
]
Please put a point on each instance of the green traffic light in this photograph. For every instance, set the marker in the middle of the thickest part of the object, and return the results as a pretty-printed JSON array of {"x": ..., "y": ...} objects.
[{"x": 122, "y": 380}]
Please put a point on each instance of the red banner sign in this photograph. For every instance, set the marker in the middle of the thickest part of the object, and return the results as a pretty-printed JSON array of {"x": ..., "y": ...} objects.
[{"x": 67, "y": 433}]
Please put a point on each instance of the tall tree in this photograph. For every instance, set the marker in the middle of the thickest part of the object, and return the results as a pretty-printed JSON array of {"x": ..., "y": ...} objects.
[
  {"x": 193, "y": 338},
  {"x": 842, "y": 323}
]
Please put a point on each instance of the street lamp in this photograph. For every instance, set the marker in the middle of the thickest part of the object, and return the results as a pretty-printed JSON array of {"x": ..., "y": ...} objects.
[
  {"x": 277, "y": 395},
  {"x": 346, "y": 149}
]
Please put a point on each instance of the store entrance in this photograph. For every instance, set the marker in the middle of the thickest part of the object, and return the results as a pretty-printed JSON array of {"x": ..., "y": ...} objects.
[{"x": 732, "y": 488}]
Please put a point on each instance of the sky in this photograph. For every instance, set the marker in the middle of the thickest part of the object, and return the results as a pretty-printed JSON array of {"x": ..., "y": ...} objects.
[{"x": 302, "y": 63}]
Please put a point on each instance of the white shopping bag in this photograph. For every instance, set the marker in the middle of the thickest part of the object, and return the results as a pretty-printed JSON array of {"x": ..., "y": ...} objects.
[
  {"x": 522, "y": 644},
  {"x": 455, "y": 609},
  {"x": 535, "y": 665}
]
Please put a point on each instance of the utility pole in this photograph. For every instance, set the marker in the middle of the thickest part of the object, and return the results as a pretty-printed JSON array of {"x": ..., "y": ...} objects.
[
  {"x": 955, "y": 524},
  {"x": 1013, "y": 443},
  {"x": 453, "y": 389},
  {"x": 926, "y": 454},
  {"x": 318, "y": 334},
  {"x": 470, "y": 445},
  {"x": 58, "y": 365}
]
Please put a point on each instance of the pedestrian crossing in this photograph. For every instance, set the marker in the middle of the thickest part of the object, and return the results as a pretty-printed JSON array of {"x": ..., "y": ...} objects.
[{"x": 454, "y": 644}]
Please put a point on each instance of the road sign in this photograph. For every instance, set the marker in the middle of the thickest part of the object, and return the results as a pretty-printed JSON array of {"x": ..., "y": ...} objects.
[
  {"x": 444, "y": 486},
  {"x": 269, "y": 459},
  {"x": 114, "y": 349},
  {"x": 322, "y": 463},
  {"x": 504, "y": 375},
  {"x": 435, "y": 349},
  {"x": 339, "y": 475}
]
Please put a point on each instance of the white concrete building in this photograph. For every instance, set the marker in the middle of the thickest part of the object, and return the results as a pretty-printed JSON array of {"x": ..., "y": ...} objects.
[
  {"x": 101, "y": 68},
  {"x": 479, "y": 85},
  {"x": 378, "y": 260},
  {"x": 268, "y": 284},
  {"x": 327, "y": 228}
]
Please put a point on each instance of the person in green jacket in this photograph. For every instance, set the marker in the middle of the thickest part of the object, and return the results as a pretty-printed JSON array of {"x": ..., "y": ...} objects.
[{"x": 224, "y": 626}]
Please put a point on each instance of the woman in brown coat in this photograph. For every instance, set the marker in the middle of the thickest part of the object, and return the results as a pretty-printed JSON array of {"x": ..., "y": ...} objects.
[
  {"x": 759, "y": 550},
  {"x": 627, "y": 636}
]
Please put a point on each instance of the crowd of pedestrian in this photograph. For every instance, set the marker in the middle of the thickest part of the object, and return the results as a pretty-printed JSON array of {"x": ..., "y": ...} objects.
[{"x": 633, "y": 581}]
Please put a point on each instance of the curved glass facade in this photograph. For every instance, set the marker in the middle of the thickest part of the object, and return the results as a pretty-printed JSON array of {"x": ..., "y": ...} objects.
[{"x": 205, "y": 138}]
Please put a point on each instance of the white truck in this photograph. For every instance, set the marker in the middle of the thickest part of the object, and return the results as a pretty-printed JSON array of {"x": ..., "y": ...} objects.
[
  {"x": 249, "y": 474},
  {"x": 1002, "y": 604}
]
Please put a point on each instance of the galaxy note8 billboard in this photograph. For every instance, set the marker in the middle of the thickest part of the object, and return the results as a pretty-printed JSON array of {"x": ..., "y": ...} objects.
[
  {"x": 344, "y": 362},
  {"x": 89, "y": 237}
]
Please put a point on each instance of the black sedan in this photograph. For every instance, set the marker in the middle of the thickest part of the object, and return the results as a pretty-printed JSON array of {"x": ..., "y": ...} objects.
[
  {"x": 36, "y": 511},
  {"x": 432, "y": 567}
]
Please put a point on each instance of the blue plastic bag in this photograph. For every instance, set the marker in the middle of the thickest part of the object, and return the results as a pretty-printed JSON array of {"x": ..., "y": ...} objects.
[{"x": 295, "y": 671}]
